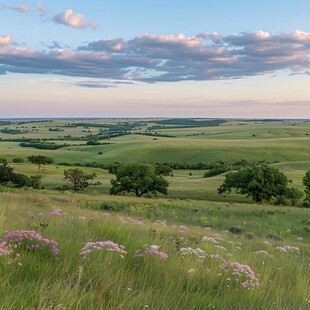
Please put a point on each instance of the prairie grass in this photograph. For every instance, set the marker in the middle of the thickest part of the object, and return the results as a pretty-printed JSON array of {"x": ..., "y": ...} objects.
[{"x": 105, "y": 280}]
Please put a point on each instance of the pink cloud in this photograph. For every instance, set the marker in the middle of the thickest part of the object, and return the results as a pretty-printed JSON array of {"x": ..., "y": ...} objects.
[
  {"x": 75, "y": 20},
  {"x": 21, "y": 8},
  {"x": 5, "y": 40}
]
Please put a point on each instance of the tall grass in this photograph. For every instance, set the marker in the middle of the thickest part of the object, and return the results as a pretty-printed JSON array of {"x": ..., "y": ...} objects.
[{"x": 105, "y": 280}]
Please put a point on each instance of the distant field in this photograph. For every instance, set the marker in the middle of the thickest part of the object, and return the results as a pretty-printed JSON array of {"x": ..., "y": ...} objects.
[{"x": 286, "y": 145}]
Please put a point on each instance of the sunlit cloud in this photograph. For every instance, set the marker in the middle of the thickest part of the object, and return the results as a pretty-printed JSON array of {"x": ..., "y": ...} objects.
[
  {"x": 155, "y": 58},
  {"x": 5, "y": 40},
  {"x": 74, "y": 20}
]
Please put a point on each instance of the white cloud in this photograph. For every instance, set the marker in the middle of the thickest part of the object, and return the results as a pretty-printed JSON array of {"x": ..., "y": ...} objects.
[{"x": 75, "y": 20}]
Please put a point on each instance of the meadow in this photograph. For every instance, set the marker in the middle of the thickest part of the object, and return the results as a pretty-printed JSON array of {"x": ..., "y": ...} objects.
[
  {"x": 283, "y": 144},
  {"x": 178, "y": 255},
  {"x": 191, "y": 249}
]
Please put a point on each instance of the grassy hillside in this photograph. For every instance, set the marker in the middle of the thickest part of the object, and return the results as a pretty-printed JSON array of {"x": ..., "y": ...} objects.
[
  {"x": 284, "y": 144},
  {"x": 197, "y": 274}
]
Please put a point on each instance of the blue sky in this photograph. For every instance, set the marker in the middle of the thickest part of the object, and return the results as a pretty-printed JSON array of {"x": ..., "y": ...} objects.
[{"x": 155, "y": 58}]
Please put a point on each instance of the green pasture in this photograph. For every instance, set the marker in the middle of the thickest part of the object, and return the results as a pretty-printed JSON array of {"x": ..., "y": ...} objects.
[{"x": 285, "y": 145}]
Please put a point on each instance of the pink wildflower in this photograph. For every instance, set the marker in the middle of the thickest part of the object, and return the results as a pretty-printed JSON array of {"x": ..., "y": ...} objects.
[
  {"x": 56, "y": 212},
  {"x": 152, "y": 250},
  {"x": 29, "y": 240},
  {"x": 107, "y": 245}
]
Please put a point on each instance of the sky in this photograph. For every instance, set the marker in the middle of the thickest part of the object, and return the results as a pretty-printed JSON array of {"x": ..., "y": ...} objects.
[{"x": 163, "y": 58}]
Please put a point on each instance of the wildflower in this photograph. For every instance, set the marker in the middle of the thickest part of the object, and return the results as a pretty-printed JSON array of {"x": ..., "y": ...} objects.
[
  {"x": 220, "y": 247},
  {"x": 287, "y": 248},
  {"x": 183, "y": 227},
  {"x": 218, "y": 237},
  {"x": 209, "y": 239},
  {"x": 107, "y": 245},
  {"x": 29, "y": 240},
  {"x": 240, "y": 272},
  {"x": 262, "y": 252},
  {"x": 4, "y": 249},
  {"x": 130, "y": 220},
  {"x": 152, "y": 250},
  {"x": 192, "y": 270},
  {"x": 299, "y": 238},
  {"x": 190, "y": 251},
  {"x": 56, "y": 212}
]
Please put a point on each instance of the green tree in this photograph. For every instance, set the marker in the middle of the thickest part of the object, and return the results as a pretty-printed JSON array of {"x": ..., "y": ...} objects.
[
  {"x": 139, "y": 179},
  {"x": 78, "y": 180},
  {"x": 10, "y": 178},
  {"x": 162, "y": 169},
  {"x": 306, "y": 183},
  {"x": 6, "y": 173},
  {"x": 259, "y": 182},
  {"x": 40, "y": 160}
]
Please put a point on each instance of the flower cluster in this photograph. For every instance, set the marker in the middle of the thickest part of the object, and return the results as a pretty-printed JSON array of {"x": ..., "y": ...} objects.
[
  {"x": 262, "y": 252},
  {"x": 152, "y": 250},
  {"x": 29, "y": 240},
  {"x": 288, "y": 248},
  {"x": 56, "y": 212},
  {"x": 130, "y": 220},
  {"x": 242, "y": 274},
  {"x": 190, "y": 251},
  {"x": 4, "y": 249},
  {"x": 220, "y": 248},
  {"x": 209, "y": 239},
  {"x": 107, "y": 245}
]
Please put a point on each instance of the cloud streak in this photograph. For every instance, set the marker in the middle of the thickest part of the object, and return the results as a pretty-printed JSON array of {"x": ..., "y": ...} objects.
[
  {"x": 18, "y": 8},
  {"x": 155, "y": 58}
]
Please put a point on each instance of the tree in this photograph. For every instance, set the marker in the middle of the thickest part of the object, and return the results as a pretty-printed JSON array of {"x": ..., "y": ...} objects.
[
  {"x": 10, "y": 178},
  {"x": 306, "y": 183},
  {"x": 139, "y": 179},
  {"x": 40, "y": 160},
  {"x": 6, "y": 173},
  {"x": 78, "y": 180},
  {"x": 259, "y": 182},
  {"x": 162, "y": 169}
]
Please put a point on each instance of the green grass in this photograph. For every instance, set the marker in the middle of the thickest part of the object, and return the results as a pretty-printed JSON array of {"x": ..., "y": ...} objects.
[{"x": 106, "y": 281}]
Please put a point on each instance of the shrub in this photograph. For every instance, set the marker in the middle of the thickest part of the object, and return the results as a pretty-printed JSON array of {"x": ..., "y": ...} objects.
[
  {"x": 235, "y": 230},
  {"x": 18, "y": 160}
]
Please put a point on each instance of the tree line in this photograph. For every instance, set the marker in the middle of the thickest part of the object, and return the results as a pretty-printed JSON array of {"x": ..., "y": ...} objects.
[{"x": 259, "y": 182}]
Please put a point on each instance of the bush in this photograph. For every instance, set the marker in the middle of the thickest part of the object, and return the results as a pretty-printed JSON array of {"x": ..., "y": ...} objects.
[
  {"x": 306, "y": 204},
  {"x": 108, "y": 206},
  {"x": 18, "y": 160},
  {"x": 235, "y": 230},
  {"x": 282, "y": 201}
]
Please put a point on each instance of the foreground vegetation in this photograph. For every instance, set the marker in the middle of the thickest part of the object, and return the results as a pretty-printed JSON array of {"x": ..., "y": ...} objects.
[{"x": 203, "y": 243}]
